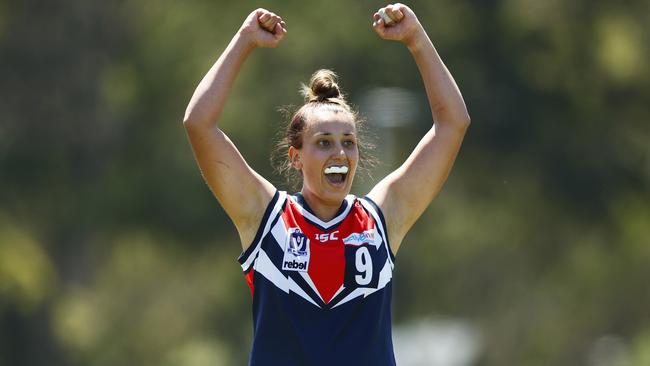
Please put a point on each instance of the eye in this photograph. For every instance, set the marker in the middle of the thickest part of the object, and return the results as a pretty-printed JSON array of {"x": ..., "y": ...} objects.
[
  {"x": 348, "y": 143},
  {"x": 324, "y": 143}
]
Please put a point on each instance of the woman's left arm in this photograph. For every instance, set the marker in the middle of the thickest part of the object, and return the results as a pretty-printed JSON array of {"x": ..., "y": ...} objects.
[{"x": 406, "y": 192}]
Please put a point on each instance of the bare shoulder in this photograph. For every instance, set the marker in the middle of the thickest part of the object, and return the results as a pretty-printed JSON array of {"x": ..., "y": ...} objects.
[
  {"x": 383, "y": 196},
  {"x": 248, "y": 227}
]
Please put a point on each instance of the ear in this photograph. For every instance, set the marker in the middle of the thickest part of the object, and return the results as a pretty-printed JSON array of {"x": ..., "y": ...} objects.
[{"x": 294, "y": 158}]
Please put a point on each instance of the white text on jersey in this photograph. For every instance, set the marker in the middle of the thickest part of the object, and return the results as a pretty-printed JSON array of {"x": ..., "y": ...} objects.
[{"x": 327, "y": 237}]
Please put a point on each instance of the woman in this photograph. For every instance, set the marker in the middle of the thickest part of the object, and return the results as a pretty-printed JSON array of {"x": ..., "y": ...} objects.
[{"x": 319, "y": 263}]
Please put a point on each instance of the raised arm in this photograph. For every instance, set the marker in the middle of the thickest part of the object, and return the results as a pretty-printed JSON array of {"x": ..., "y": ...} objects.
[
  {"x": 405, "y": 193},
  {"x": 242, "y": 192}
]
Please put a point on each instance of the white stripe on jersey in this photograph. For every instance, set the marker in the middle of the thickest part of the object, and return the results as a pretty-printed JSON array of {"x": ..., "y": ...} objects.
[
  {"x": 370, "y": 208},
  {"x": 265, "y": 267},
  {"x": 365, "y": 291},
  {"x": 384, "y": 277},
  {"x": 311, "y": 283},
  {"x": 279, "y": 233}
]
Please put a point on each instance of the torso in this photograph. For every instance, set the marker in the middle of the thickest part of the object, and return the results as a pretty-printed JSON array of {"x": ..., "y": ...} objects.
[{"x": 321, "y": 290}]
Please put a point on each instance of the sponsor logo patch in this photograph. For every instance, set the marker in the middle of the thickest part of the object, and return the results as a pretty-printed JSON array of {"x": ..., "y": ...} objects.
[
  {"x": 369, "y": 236},
  {"x": 296, "y": 254}
]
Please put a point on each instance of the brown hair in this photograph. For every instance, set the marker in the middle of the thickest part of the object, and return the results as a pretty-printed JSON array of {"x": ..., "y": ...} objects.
[{"x": 322, "y": 93}]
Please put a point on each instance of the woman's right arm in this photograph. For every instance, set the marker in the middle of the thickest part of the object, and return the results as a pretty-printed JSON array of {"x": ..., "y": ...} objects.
[{"x": 242, "y": 192}]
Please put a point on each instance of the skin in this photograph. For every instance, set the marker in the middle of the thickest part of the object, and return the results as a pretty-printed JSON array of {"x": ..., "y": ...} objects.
[
  {"x": 402, "y": 195},
  {"x": 329, "y": 139}
]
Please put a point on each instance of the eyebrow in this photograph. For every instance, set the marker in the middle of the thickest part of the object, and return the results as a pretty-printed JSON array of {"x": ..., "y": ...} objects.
[{"x": 329, "y": 134}]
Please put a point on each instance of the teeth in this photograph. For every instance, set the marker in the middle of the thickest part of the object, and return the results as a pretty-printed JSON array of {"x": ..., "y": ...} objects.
[{"x": 336, "y": 170}]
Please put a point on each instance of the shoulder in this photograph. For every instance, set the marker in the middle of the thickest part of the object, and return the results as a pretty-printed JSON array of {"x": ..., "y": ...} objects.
[
  {"x": 259, "y": 223},
  {"x": 379, "y": 214},
  {"x": 372, "y": 208}
]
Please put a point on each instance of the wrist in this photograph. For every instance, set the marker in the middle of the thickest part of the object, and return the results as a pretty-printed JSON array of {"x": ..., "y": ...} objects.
[
  {"x": 418, "y": 41},
  {"x": 244, "y": 40}
]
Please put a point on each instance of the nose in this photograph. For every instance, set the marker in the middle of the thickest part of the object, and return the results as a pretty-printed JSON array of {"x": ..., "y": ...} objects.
[
  {"x": 338, "y": 154},
  {"x": 340, "y": 150}
]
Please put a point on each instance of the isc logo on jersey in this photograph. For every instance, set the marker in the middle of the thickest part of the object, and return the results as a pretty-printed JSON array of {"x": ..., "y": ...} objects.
[{"x": 296, "y": 254}]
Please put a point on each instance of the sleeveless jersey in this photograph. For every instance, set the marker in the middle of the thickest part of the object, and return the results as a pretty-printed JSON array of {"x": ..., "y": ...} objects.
[{"x": 321, "y": 290}]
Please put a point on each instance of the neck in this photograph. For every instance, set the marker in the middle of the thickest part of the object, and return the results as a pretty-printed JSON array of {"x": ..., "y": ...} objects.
[{"x": 324, "y": 210}]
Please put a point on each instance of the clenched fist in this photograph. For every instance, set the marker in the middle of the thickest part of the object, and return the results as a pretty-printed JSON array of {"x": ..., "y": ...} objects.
[{"x": 263, "y": 28}]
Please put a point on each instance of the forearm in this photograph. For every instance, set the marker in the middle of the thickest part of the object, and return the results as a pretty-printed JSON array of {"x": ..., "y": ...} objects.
[
  {"x": 445, "y": 99},
  {"x": 210, "y": 95}
]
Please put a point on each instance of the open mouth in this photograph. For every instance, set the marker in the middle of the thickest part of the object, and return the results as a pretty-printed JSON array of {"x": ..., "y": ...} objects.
[{"x": 336, "y": 174}]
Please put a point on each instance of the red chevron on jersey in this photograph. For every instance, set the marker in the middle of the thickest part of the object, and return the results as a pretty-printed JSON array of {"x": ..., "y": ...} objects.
[{"x": 326, "y": 263}]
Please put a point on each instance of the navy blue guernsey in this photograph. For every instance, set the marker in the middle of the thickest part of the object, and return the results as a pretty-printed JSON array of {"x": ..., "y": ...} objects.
[{"x": 321, "y": 290}]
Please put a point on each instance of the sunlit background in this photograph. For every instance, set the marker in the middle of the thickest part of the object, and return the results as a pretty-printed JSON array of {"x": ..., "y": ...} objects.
[{"x": 536, "y": 252}]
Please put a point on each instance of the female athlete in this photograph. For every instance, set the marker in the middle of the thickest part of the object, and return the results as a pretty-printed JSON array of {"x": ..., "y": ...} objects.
[{"x": 319, "y": 262}]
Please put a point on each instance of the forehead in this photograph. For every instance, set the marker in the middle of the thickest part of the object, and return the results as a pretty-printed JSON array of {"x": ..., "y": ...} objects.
[{"x": 325, "y": 121}]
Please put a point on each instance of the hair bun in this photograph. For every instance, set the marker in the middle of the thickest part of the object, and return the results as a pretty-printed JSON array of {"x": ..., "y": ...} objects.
[{"x": 322, "y": 86}]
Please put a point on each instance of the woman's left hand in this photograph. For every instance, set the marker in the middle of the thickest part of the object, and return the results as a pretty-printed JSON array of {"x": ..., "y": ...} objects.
[{"x": 404, "y": 25}]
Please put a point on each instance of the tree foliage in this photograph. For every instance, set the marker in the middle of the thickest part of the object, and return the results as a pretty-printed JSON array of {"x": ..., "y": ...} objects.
[{"x": 113, "y": 251}]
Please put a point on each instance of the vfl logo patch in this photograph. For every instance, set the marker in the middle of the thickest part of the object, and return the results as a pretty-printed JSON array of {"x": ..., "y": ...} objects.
[
  {"x": 369, "y": 236},
  {"x": 296, "y": 255}
]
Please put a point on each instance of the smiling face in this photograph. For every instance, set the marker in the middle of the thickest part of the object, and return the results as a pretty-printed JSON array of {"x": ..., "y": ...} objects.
[{"x": 328, "y": 157}]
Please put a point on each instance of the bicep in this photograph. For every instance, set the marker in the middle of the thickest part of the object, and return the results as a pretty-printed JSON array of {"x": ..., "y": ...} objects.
[
  {"x": 242, "y": 192},
  {"x": 405, "y": 193}
]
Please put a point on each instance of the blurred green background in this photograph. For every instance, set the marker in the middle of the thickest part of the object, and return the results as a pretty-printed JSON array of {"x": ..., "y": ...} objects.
[{"x": 113, "y": 251}]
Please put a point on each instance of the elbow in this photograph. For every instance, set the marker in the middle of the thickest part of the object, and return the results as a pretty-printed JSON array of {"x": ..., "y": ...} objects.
[
  {"x": 198, "y": 119},
  {"x": 196, "y": 126},
  {"x": 460, "y": 123},
  {"x": 188, "y": 119},
  {"x": 465, "y": 122},
  {"x": 190, "y": 122},
  {"x": 457, "y": 118},
  {"x": 192, "y": 126}
]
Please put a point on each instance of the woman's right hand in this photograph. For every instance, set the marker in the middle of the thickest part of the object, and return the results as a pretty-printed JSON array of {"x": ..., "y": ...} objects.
[{"x": 263, "y": 28}]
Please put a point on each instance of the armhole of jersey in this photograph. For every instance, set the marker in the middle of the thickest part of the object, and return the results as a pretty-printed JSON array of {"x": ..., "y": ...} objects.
[
  {"x": 382, "y": 222},
  {"x": 274, "y": 207}
]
